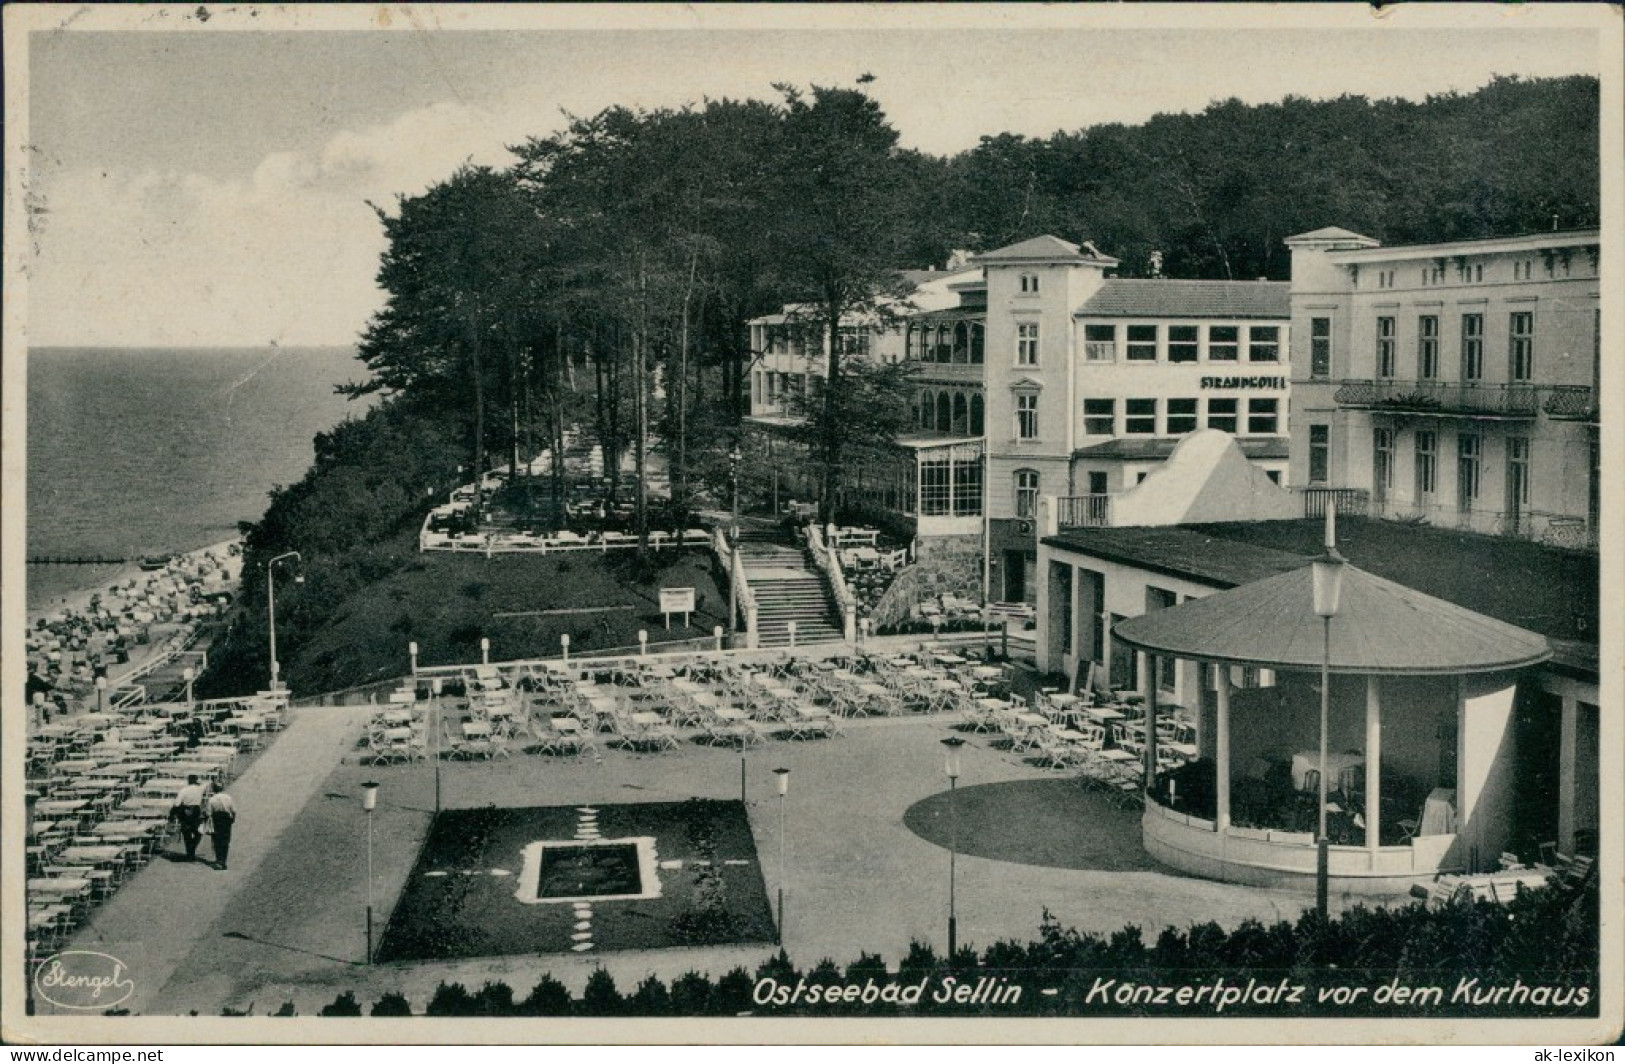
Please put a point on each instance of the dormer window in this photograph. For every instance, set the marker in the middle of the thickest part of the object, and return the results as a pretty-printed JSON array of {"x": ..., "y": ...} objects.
[{"x": 1029, "y": 284}]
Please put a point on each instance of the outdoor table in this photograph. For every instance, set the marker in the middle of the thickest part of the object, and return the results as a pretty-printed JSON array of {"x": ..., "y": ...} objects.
[
  {"x": 396, "y": 718},
  {"x": 731, "y": 715},
  {"x": 187, "y": 768},
  {"x": 987, "y": 672},
  {"x": 56, "y": 731},
  {"x": 1104, "y": 714},
  {"x": 567, "y": 726},
  {"x": 1185, "y": 750},
  {"x": 46, "y": 916},
  {"x": 1308, "y": 761},
  {"x": 77, "y": 767},
  {"x": 659, "y": 672},
  {"x": 948, "y": 659},
  {"x": 59, "y": 886},
  {"x": 118, "y": 770},
  {"x": 1116, "y": 753},
  {"x": 476, "y": 729},
  {"x": 877, "y": 699},
  {"x": 160, "y": 806},
  {"x": 1034, "y": 724},
  {"x": 91, "y": 855},
  {"x": 60, "y": 806},
  {"x": 129, "y": 827},
  {"x": 142, "y": 731},
  {"x": 646, "y": 721},
  {"x": 163, "y": 786}
]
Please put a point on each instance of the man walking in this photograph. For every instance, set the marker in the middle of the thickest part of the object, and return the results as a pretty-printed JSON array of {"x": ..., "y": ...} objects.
[
  {"x": 188, "y": 812},
  {"x": 222, "y": 815}
]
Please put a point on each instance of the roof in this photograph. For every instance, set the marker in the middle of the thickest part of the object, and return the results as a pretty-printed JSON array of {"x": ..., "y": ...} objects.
[
  {"x": 1131, "y": 448},
  {"x": 1521, "y": 243},
  {"x": 1382, "y": 628},
  {"x": 1545, "y": 589},
  {"x": 1331, "y": 232},
  {"x": 1119, "y": 298},
  {"x": 1045, "y": 249},
  {"x": 1180, "y": 551}
]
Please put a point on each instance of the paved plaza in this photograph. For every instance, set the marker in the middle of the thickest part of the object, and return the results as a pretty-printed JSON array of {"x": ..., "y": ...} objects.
[{"x": 865, "y": 858}]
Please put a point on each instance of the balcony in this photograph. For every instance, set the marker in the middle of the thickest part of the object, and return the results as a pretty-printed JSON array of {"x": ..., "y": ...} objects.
[
  {"x": 1350, "y": 502},
  {"x": 1572, "y": 402},
  {"x": 1083, "y": 511},
  {"x": 1512, "y": 401}
]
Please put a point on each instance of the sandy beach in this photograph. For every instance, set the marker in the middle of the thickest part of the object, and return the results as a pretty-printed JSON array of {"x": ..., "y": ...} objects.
[{"x": 144, "y": 611}]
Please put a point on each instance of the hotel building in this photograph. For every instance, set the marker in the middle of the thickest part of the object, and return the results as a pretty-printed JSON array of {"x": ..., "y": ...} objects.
[{"x": 1455, "y": 383}]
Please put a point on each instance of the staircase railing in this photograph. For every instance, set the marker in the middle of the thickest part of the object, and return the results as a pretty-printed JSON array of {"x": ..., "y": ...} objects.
[
  {"x": 829, "y": 563},
  {"x": 744, "y": 599}
]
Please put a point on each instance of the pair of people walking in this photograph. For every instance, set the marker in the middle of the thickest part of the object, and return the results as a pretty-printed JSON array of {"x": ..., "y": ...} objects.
[{"x": 194, "y": 807}]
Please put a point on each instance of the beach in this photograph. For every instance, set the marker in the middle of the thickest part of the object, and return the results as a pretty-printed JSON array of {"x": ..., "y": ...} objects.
[{"x": 123, "y": 625}]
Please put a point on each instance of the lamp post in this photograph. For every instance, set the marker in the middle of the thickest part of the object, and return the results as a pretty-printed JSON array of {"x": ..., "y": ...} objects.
[
  {"x": 733, "y": 543},
  {"x": 188, "y": 674},
  {"x": 1327, "y": 573},
  {"x": 434, "y": 737},
  {"x": 784, "y": 789},
  {"x": 101, "y": 694},
  {"x": 485, "y": 651},
  {"x": 369, "y": 802},
  {"x": 270, "y": 604},
  {"x": 412, "y": 650},
  {"x": 953, "y": 743}
]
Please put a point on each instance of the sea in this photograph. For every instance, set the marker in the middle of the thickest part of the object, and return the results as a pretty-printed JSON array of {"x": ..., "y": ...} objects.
[{"x": 134, "y": 452}]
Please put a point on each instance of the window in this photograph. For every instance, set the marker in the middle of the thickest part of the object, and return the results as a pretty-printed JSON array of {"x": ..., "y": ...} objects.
[
  {"x": 1523, "y": 346},
  {"x": 1100, "y": 417},
  {"x": 1142, "y": 343},
  {"x": 1320, "y": 348},
  {"x": 1100, "y": 343},
  {"x": 1221, "y": 414},
  {"x": 1469, "y": 450},
  {"x": 1385, "y": 347},
  {"x": 944, "y": 413},
  {"x": 1472, "y": 347},
  {"x": 1140, "y": 417},
  {"x": 936, "y": 488},
  {"x": 1263, "y": 417},
  {"x": 967, "y": 487},
  {"x": 1427, "y": 347},
  {"x": 1026, "y": 492},
  {"x": 1517, "y": 474},
  {"x": 977, "y": 422},
  {"x": 1223, "y": 343},
  {"x": 1183, "y": 345},
  {"x": 1382, "y": 466},
  {"x": 961, "y": 414},
  {"x": 976, "y": 330},
  {"x": 1264, "y": 343},
  {"x": 1029, "y": 284},
  {"x": 928, "y": 409},
  {"x": 1320, "y": 452},
  {"x": 1427, "y": 463},
  {"x": 1027, "y": 344},
  {"x": 1027, "y": 417},
  {"x": 1181, "y": 416}
]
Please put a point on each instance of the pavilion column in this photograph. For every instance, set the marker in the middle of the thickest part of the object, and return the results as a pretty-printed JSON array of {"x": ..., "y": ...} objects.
[
  {"x": 1567, "y": 756},
  {"x": 1221, "y": 758},
  {"x": 1148, "y": 690},
  {"x": 1373, "y": 762}
]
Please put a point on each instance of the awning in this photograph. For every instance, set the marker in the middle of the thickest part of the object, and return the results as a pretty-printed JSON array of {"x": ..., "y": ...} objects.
[{"x": 1382, "y": 628}]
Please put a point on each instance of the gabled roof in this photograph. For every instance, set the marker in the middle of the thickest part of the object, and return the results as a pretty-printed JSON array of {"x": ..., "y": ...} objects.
[
  {"x": 1331, "y": 233},
  {"x": 1046, "y": 249},
  {"x": 1382, "y": 628},
  {"x": 1119, "y": 298}
]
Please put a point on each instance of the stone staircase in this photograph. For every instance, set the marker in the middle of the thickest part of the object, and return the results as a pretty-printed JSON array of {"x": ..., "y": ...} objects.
[{"x": 788, "y": 588}]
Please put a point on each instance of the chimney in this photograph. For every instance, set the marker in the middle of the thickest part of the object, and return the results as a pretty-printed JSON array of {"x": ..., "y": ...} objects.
[{"x": 1156, "y": 264}]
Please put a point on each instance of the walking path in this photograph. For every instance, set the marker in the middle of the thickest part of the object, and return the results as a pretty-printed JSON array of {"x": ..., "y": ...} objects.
[{"x": 162, "y": 914}]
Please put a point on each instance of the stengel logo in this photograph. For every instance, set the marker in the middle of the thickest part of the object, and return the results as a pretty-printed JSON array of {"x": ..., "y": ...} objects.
[{"x": 82, "y": 979}]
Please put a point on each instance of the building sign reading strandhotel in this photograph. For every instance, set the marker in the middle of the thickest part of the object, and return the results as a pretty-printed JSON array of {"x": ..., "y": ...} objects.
[{"x": 1243, "y": 382}]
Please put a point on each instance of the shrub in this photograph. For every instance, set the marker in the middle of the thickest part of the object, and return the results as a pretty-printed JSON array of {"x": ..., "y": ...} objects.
[
  {"x": 600, "y": 997},
  {"x": 392, "y": 1004},
  {"x": 548, "y": 997},
  {"x": 450, "y": 999},
  {"x": 343, "y": 1005},
  {"x": 650, "y": 999}
]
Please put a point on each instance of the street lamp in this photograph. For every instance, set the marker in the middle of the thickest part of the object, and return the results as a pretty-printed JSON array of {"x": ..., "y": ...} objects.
[
  {"x": 953, "y": 743},
  {"x": 412, "y": 650},
  {"x": 485, "y": 651},
  {"x": 101, "y": 694},
  {"x": 188, "y": 674},
  {"x": 784, "y": 789},
  {"x": 270, "y": 604},
  {"x": 733, "y": 543},
  {"x": 1327, "y": 573},
  {"x": 369, "y": 802}
]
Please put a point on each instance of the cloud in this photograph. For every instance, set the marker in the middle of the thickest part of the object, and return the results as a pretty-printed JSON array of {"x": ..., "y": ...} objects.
[{"x": 287, "y": 253}]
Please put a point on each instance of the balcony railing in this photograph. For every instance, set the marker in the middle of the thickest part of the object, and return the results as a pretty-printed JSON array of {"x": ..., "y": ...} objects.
[
  {"x": 1083, "y": 511},
  {"x": 1351, "y": 502},
  {"x": 1440, "y": 397},
  {"x": 1571, "y": 402},
  {"x": 1568, "y": 531}
]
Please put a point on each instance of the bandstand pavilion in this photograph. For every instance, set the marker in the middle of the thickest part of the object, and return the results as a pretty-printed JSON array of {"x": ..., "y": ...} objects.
[{"x": 1421, "y": 770}]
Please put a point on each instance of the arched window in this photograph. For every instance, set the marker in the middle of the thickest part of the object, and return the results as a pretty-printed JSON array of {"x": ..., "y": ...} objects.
[
  {"x": 976, "y": 332},
  {"x": 961, "y": 343},
  {"x": 961, "y": 417},
  {"x": 927, "y": 410},
  {"x": 978, "y": 425},
  {"x": 1026, "y": 492},
  {"x": 944, "y": 417}
]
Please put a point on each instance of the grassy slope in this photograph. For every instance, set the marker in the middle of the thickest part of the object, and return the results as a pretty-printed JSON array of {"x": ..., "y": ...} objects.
[{"x": 447, "y": 602}]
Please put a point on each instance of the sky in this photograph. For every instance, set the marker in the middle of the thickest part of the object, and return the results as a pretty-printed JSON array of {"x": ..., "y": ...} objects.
[{"x": 208, "y": 183}]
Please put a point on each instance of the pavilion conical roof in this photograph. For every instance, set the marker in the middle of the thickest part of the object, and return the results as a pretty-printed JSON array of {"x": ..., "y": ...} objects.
[{"x": 1382, "y": 627}]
